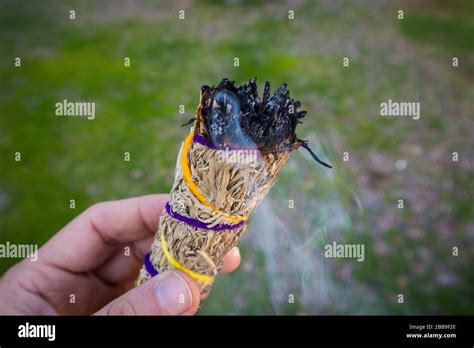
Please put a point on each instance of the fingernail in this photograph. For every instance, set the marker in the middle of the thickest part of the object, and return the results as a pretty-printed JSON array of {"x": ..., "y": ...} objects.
[
  {"x": 173, "y": 294},
  {"x": 236, "y": 251}
]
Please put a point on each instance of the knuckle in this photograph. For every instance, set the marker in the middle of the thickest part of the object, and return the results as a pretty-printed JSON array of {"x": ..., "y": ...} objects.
[{"x": 96, "y": 207}]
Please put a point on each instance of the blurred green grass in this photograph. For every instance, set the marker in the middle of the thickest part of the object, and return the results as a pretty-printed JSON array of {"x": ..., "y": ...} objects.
[{"x": 137, "y": 112}]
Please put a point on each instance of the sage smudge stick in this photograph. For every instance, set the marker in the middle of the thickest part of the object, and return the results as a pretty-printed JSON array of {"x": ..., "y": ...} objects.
[{"x": 237, "y": 146}]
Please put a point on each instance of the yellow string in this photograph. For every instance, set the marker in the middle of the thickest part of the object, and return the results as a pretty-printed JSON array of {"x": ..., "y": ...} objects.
[
  {"x": 177, "y": 265},
  {"x": 192, "y": 186}
]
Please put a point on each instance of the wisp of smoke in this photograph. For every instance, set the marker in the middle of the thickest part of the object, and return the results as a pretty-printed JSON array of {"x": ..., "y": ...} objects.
[{"x": 302, "y": 213}]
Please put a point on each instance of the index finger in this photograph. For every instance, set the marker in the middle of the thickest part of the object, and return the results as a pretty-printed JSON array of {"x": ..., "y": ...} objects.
[{"x": 88, "y": 240}]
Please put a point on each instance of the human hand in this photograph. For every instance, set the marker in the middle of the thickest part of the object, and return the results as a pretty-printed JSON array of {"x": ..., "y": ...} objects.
[{"x": 85, "y": 268}]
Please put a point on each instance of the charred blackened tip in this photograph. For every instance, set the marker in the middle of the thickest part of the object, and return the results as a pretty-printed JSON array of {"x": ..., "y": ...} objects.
[{"x": 268, "y": 122}]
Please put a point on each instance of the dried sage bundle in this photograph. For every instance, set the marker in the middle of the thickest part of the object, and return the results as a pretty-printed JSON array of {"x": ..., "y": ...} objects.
[{"x": 237, "y": 146}]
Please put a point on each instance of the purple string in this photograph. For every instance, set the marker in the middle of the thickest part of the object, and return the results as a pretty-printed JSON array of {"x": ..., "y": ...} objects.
[
  {"x": 198, "y": 138},
  {"x": 200, "y": 224},
  {"x": 149, "y": 266}
]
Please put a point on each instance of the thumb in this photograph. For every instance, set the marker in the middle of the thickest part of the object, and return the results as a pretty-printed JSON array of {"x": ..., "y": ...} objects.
[{"x": 169, "y": 293}]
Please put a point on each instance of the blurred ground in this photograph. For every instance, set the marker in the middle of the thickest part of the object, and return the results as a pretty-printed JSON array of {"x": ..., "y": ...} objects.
[{"x": 408, "y": 251}]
